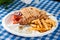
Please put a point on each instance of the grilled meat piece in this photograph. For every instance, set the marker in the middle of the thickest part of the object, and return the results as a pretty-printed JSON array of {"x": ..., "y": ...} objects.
[{"x": 31, "y": 13}]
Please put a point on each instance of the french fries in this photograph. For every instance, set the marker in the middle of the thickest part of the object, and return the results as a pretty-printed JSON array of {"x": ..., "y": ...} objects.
[
  {"x": 42, "y": 25},
  {"x": 33, "y": 25},
  {"x": 50, "y": 21}
]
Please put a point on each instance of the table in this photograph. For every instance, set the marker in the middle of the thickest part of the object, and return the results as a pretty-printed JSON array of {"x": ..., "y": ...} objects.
[{"x": 47, "y": 5}]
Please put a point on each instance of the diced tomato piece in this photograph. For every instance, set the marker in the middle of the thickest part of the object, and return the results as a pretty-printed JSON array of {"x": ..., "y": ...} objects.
[{"x": 16, "y": 18}]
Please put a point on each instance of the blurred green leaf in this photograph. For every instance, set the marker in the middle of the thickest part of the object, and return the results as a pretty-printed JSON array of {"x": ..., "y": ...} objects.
[{"x": 5, "y": 2}]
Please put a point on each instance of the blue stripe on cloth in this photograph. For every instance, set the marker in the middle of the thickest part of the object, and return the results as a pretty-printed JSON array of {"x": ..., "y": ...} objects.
[
  {"x": 13, "y": 37},
  {"x": 20, "y": 6},
  {"x": 9, "y": 6},
  {"x": 43, "y": 3},
  {"x": 1, "y": 11},
  {"x": 40, "y": 3},
  {"x": 58, "y": 18},
  {"x": 15, "y": 5},
  {"x": 11, "y": 9},
  {"x": 12, "y": 3},
  {"x": 37, "y": 38},
  {"x": 7, "y": 35},
  {"x": 49, "y": 6},
  {"x": 5, "y": 10},
  {"x": 55, "y": 34},
  {"x": 28, "y": 38},
  {"x": 32, "y": 1},
  {"x": 53, "y": 8}
]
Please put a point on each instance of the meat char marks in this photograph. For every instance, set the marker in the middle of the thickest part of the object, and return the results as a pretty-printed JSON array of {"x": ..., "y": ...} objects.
[{"x": 31, "y": 13}]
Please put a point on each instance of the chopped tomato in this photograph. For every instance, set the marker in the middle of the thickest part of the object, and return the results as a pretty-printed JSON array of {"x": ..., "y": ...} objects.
[{"x": 16, "y": 18}]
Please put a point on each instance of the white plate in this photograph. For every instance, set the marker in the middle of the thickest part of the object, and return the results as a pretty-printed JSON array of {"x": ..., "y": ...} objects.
[{"x": 12, "y": 29}]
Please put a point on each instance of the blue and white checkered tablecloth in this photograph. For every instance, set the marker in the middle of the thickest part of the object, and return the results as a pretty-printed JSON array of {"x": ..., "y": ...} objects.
[{"x": 47, "y": 5}]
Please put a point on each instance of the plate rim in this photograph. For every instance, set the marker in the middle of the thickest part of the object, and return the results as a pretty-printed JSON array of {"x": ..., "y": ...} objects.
[{"x": 26, "y": 35}]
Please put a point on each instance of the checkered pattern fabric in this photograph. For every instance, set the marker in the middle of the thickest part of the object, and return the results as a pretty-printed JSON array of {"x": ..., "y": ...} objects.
[{"x": 47, "y": 5}]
